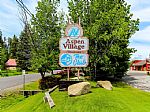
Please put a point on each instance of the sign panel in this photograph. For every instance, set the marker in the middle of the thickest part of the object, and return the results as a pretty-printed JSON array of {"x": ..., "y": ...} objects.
[
  {"x": 68, "y": 44},
  {"x": 73, "y": 60},
  {"x": 74, "y": 31}
]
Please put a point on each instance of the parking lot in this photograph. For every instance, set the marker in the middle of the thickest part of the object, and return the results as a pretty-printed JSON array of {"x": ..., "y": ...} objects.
[{"x": 138, "y": 79}]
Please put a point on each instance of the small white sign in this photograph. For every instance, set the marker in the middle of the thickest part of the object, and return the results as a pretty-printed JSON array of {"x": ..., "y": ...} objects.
[
  {"x": 23, "y": 72},
  {"x": 79, "y": 44}
]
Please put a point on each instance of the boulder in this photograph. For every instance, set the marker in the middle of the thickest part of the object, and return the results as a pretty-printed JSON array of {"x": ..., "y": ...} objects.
[
  {"x": 105, "y": 84},
  {"x": 79, "y": 89}
]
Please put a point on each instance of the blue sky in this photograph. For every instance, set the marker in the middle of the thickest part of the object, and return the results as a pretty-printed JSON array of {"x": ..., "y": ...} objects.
[{"x": 10, "y": 23}]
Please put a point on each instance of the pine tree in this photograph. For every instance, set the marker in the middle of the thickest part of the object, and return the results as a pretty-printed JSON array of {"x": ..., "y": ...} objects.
[
  {"x": 13, "y": 47},
  {"x": 24, "y": 50},
  {"x": 3, "y": 52}
]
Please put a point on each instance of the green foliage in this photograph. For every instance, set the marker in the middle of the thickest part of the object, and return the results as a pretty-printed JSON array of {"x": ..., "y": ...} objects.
[
  {"x": 49, "y": 82},
  {"x": 46, "y": 28},
  {"x": 109, "y": 25},
  {"x": 3, "y": 52},
  {"x": 24, "y": 50},
  {"x": 13, "y": 47},
  {"x": 121, "y": 99}
]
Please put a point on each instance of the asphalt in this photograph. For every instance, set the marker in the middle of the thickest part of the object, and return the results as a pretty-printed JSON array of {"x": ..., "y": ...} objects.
[
  {"x": 12, "y": 81},
  {"x": 138, "y": 79}
]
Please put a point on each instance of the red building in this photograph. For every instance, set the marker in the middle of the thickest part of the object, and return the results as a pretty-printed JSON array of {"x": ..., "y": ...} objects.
[
  {"x": 140, "y": 65},
  {"x": 11, "y": 64}
]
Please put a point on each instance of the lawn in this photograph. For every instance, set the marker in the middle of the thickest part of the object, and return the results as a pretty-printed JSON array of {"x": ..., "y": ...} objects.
[
  {"x": 123, "y": 98},
  {"x": 11, "y": 98},
  {"x": 6, "y": 73}
]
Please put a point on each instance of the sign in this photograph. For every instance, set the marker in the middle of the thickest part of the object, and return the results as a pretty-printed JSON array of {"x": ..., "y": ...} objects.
[
  {"x": 73, "y": 47},
  {"x": 74, "y": 31},
  {"x": 49, "y": 99},
  {"x": 79, "y": 44},
  {"x": 23, "y": 72},
  {"x": 73, "y": 60}
]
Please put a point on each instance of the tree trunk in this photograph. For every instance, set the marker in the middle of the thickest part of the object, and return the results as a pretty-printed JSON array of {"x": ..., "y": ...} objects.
[{"x": 41, "y": 72}]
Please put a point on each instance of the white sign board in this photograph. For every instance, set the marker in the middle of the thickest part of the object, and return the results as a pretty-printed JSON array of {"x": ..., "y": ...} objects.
[
  {"x": 79, "y": 44},
  {"x": 23, "y": 72},
  {"x": 73, "y": 60}
]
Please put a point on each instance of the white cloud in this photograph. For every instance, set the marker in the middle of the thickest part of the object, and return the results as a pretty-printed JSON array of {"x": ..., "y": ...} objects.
[
  {"x": 140, "y": 9},
  {"x": 138, "y": 4},
  {"x": 10, "y": 23},
  {"x": 142, "y": 14},
  {"x": 141, "y": 42},
  {"x": 9, "y": 16},
  {"x": 141, "y": 39},
  {"x": 142, "y": 35},
  {"x": 143, "y": 51}
]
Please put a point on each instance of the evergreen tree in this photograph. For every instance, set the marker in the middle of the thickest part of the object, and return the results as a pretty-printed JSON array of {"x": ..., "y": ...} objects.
[
  {"x": 24, "y": 50},
  {"x": 109, "y": 26},
  {"x": 13, "y": 47},
  {"x": 3, "y": 52}
]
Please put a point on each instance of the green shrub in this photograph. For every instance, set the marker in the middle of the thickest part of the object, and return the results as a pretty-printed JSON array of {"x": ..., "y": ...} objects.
[{"x": 49, "y": 82}]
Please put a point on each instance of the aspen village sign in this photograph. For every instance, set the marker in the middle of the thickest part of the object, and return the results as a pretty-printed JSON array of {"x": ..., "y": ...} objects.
[
  {"x": 78, "y": 44},
  {"x": 73, "y": 47}
]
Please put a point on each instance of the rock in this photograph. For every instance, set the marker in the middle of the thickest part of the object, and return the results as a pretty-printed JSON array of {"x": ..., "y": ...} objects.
[
  {"x": 105, "y": 84},
  {"x": 79, "y": 89}
]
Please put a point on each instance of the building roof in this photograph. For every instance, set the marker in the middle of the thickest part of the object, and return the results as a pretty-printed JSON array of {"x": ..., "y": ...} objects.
[
  {"x": 11, "y": 62},
  {"x": 141, "y": 63}
]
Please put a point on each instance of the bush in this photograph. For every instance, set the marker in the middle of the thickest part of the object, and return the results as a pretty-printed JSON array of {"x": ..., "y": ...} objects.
[{"x": 49, "y": 82}]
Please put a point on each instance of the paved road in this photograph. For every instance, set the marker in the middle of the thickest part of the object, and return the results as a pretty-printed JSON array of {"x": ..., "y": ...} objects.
[
  {"x": 8, "y": 82},
  {"x": 138, "y": 79}
]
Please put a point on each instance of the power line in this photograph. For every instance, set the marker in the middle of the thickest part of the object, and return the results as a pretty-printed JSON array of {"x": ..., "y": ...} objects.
[{"x": 24, "y": 7}]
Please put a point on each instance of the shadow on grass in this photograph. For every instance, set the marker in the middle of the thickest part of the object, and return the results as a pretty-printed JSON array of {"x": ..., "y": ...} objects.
[{"x": 120, "y": 84}]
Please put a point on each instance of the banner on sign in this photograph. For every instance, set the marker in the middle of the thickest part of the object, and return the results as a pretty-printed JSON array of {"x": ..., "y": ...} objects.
[
  {"x": 79, "y": 44},
  {"x": 73, "y": 60}
]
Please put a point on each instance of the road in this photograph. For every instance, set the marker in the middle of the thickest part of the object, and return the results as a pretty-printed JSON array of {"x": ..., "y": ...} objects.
[
  {"x": 12, "y": 81},
  {"x": 138, "y": 79}
]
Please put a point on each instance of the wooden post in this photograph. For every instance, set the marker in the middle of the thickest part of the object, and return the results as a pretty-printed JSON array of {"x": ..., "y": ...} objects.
[
  {"x": 78, "y": 73},
  {"x": 68, "y": 73},
  {"x": 49, "y": 99},
  {"x": 79, "y": 21},
  {"x": 23, "y": 73}
]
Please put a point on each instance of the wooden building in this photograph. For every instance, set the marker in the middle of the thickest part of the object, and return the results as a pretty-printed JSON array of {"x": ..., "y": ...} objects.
[
  {"x": 11, "y": 64},
  {"x": 140, "y": 65}
]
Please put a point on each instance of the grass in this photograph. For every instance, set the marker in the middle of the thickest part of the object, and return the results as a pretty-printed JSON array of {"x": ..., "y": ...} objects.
[
  {"x": 32, "y": 86},
  {"x": 123, "y": 98},
  {"x": 11, "y": 98},
  {"x": 5, "y": 73}
]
